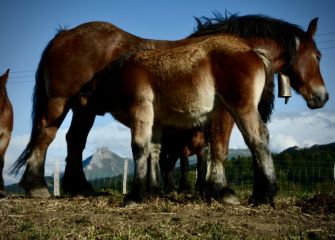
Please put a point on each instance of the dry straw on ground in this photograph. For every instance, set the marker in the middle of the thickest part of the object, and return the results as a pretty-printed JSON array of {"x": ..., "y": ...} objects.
[{"x": 171, "y": 217}]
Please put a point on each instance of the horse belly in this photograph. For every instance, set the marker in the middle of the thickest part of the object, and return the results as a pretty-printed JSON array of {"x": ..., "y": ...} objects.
[{"x": 189, "y": 105}]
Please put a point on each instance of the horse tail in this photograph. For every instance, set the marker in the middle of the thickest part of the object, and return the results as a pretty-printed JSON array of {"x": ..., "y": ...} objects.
[
  {"x": 266, "y": 103},
  {"x": 39, "y": 106}
]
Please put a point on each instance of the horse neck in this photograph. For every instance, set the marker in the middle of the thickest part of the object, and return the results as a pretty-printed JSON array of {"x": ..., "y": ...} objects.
[{"x": 275, "y": 52}]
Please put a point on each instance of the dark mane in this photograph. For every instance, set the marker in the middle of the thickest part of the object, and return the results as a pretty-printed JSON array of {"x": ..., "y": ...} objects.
[
  {"x": 252, "y": 26},
  {"x": 255, "y": 26}
]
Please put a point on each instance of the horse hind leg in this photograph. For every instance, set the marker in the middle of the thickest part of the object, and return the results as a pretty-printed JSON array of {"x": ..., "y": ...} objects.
[
  {"x": 167, "y": 163},
  {"x": 74, "y": 181},
  {"x": 184, "y": 184},
  {"x": 216, "y": 185},
  {"x": 256, "y": 136},
  {"x": 153, "y": 162},
  {"x": 33, "y": 181}
]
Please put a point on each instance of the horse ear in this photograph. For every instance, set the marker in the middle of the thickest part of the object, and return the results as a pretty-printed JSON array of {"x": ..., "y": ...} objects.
[
  {"x": 4, "y": 77},
  {"x": 313, "y": 25}
]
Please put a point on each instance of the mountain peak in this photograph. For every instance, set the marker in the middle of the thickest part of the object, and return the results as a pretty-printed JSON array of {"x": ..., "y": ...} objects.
[{"x": 104, "y": 163}]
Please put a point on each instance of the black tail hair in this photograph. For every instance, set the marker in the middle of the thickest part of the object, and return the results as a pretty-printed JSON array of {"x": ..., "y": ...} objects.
[{"x": 39, "y": 105}]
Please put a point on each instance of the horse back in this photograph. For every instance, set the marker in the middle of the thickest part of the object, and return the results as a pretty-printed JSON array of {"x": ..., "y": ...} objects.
[{"x": 184, "y": 82}]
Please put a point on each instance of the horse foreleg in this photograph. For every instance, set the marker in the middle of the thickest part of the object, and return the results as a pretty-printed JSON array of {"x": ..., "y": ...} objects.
[
  {"x": 74, "y": 181},
  {"x": 167, "y": 163},
  {"x": 141, "y": 130},
  {"x": 256, "y": 136},
  {"x": 216, "y": 185},
  {"x": 153, "y": 163},
  {"x": 184, "y": 185},
  {"x": 33, "y": 181}
]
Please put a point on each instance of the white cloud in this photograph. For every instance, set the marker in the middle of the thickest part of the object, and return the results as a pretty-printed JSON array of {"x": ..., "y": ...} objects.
[
  {"x": 295, "y": 129},
  {"x": 281, "y": 142},
  {"x": 306, "y": 128}
]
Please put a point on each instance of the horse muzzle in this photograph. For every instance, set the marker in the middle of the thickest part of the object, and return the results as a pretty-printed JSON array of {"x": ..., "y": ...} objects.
[{"x": 318, "y": 100}]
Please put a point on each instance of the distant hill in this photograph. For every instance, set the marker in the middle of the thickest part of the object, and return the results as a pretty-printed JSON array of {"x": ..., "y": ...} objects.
[
  {"x": 234, "y": 153},
  {"x": 104, "y": 163},
  {"x": 315, "y": 148},
  {"x": 316, "y": 155}
]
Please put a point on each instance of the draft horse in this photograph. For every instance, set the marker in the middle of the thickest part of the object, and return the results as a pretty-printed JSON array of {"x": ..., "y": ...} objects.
[
  {"x": 291, "y": 51},
  {"x": 61, "y": 77},
  {"x": 188, "y": 86},
  {"x": 6, "y": 126}
]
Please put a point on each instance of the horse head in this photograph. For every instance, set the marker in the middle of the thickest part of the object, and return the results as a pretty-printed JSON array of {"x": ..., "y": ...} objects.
[{"x": 304, "y": 70}]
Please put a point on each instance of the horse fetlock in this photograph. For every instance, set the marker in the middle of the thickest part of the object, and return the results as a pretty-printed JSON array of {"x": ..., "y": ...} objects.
[
  {"x": 34, "y": 186},
  {"x": 213, "y": 190},
  {"x": 38, "y": 192},
  {"x": 184, "y": 187},
  {"x": 264, "y": 193},
  {"x": 169, "y": 189}
]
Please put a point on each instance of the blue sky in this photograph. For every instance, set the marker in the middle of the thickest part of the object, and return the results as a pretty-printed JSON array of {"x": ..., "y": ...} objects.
[{"x": 27, "y": 26}]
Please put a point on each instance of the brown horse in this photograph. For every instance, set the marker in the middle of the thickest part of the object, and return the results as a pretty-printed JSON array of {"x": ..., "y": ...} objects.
[
  {"x": 189, "y": 86},
  {"x": 6, "y": 125},
  {"x": 60, "y": 86},
  {"x": 180, "y": 144},
  {"x": 65, "y": 72},
  {"x": 291, "y": 51}
]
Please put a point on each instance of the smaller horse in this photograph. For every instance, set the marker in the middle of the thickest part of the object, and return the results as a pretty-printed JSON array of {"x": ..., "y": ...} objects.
[
  {"x": 181, "y": 144},
  {"x": 186, "y": 87},
  {"x": 6, "y": 126}
]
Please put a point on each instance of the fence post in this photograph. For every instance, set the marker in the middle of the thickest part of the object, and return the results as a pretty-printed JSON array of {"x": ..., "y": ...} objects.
[
  {"x": 196, "y": 175},
  {"x": 56, "y": 179},
  {"x": 125, "y": 175}
]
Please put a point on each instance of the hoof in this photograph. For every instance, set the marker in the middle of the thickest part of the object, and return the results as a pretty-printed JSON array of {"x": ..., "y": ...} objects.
[
  {"x": 3, "y": 194},
  {"x": 264, "y": 194},
  {"x": 229, "y": 196},
  {"x": 224, "y": 195},
  {"x": 131, "y": 199},
  {"x": 185, "y": 188},
  {"x": 169, "y": 188},
  {"x": 130, "y": 203},
  {"x": 38, "y": 193},
  {"x": 74, "y": 188},
  {"x": 256, "y": 201}
]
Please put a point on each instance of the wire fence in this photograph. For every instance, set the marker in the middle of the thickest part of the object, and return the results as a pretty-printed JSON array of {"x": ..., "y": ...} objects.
[
  {"x": 289, "y": 179},
  {"x": 297, "y": 179}
]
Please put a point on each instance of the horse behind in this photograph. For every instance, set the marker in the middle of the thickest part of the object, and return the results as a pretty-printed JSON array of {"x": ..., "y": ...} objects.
[
  {"x": 6, "y": 126},
  {"x": 180, "y": 144},
  {"x": 291, "y": 51},
  {"x": 191, "y": 86}
]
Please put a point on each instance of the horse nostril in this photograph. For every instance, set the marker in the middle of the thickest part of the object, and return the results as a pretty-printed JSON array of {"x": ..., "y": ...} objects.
[{"x": 326, "y": 97}]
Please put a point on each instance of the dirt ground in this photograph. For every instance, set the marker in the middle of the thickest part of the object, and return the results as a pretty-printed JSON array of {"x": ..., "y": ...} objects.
[{"x": 172, "y": 217}]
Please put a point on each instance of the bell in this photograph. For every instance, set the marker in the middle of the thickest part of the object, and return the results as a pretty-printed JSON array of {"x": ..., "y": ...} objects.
[{"x": 284, "y": 90}]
